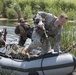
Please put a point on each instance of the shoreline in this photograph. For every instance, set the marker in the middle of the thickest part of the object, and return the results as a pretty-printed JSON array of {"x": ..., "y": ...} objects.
[{"x": 6, "y": 19}]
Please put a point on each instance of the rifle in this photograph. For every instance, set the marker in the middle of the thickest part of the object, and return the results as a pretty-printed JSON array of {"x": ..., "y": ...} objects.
[
  {"x": 41, "y": 31},
  {"x": 45, "y": 34},
  {"x": 71, "y": 48}
]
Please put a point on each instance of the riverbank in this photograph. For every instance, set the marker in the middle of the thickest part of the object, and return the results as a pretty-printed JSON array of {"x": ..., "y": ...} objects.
[{"x": 6, "y": 19}]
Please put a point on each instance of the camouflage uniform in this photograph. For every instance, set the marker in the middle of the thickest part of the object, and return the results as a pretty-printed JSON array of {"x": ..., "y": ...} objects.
[
  {"x": 24, "y": 31},
  {"x": 2, "y": 42},
  {"x": 16, "y": 50},
  {"x": 52, "y": 31}
]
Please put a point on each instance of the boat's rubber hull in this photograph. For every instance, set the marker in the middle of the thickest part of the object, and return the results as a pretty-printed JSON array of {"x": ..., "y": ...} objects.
[{"x": 53, "y": 64}]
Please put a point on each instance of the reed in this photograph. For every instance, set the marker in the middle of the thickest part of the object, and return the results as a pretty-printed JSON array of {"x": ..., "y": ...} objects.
[{"x": 68, "y": 35}]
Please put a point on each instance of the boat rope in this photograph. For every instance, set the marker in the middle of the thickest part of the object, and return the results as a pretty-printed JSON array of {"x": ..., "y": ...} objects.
[{"x": 42, "y": 64}]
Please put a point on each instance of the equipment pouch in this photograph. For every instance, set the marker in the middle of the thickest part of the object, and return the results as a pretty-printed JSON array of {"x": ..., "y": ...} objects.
[{"x": 40, "y": 31}]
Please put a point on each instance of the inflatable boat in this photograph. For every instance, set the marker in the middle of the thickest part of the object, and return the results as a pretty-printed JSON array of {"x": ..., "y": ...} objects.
[{"x": 46, "y": 64}]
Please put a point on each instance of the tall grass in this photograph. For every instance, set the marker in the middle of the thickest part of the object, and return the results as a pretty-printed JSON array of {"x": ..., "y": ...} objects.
[{"x": 68, "y": 35}]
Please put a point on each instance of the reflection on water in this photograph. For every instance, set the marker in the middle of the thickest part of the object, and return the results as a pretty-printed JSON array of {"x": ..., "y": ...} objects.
[
  {"x": 11, "y": 36},
  {"x": 7, "y": 23}
]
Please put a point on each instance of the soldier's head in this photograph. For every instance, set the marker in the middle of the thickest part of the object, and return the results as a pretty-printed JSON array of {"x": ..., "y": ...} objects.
[
  {"x": 62, "y": 18},
  {"x": 22, "y": 21}
]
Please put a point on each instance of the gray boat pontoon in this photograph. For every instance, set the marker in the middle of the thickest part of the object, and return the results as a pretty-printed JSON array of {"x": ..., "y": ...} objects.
[{"x": 47, "y": 64}]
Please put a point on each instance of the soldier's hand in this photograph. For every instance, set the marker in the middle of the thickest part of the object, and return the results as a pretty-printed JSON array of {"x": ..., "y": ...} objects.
[{"x": 40, "y": 24}]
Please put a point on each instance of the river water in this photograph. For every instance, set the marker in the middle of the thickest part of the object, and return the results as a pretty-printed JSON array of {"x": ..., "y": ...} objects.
[{"x": 11, "y": 36}]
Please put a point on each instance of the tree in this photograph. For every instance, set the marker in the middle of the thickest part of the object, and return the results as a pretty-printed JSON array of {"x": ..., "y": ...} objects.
[
  {"x": 17, "y": 8},
  {"x": 3, "y": 11},
  {"x": 27, "y": 12},
  {"x": 5, "y": 4}
]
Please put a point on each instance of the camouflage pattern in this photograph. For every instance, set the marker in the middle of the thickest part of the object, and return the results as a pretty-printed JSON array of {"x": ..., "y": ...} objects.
[
  {"x": 16, "y": 51},
  {"x": 25, "y": 32},
  {"x": 2, "y": 43},
  {"x": 52, "y": 29}
]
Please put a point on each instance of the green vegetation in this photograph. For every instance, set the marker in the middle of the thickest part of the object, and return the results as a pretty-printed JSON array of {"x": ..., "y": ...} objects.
[
  {"x": 11, "y": 13},
  {"x": 28, "y": 8},
  {"x": 68, "y": 35}
]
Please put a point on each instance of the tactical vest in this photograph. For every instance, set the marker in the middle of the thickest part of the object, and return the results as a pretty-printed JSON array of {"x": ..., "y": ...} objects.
[
  {"x": 26, "y": 33},
  {"x": 51, "y": 29},
  {"x": 22, "y": 31}
]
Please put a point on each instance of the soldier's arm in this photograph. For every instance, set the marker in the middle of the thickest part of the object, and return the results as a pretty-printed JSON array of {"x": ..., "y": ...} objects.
[
  {"x": 40, "y": 15},
  {"x": 17, "y": 31}
]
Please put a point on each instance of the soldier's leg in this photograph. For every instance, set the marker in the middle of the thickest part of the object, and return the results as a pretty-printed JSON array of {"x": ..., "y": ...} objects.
[
  {"x": 57, "y": 39},
  {"x": 57, "y": 48},
  {"x": 21, "y": 41},
  {"x": 46, "y": 46},
  {"x": 35, "y": 43}
]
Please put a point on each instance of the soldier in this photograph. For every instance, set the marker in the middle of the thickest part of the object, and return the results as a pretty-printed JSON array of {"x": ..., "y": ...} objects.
[
  {"x": 2, "y": 42},
  {"x": 53, "y": 27},
  {"x": 23, "y": 30},
  {"x": 5, "y": 33}
]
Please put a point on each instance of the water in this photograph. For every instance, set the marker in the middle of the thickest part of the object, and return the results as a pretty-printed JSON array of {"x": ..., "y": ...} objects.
[{"x": 11, "y": 36}]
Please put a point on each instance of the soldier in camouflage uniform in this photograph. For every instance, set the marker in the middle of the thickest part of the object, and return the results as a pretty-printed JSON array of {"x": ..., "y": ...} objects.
[
  {"x": 2, "y": 42},
  {"x": 53, "y": 26},
  {"x": 24, "y": 31}
]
